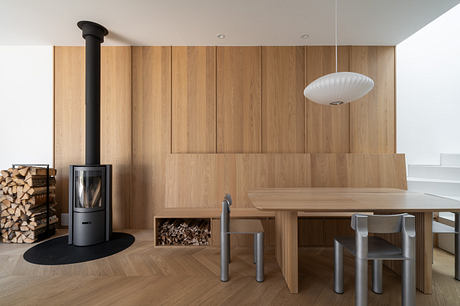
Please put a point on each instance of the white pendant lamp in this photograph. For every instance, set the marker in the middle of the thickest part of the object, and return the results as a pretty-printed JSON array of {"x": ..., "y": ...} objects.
[{"x": 339, "y": 87}]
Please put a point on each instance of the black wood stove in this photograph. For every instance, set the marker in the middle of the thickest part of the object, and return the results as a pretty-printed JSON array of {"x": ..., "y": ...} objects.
[{"x": 90, "y": 185}]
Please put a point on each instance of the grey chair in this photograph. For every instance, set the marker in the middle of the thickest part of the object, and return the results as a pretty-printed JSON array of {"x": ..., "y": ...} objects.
[
  {"x": 440, "y": 228},
  {"x": 365, "y": 247},
  {"x": 239, "y": 226}
]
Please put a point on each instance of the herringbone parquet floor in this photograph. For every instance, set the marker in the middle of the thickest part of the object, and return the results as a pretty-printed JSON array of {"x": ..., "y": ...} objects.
[{"x": 144, "y": 275}]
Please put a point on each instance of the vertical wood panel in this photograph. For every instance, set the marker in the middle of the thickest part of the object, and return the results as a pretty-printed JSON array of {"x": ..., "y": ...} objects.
[
  {"x": 238, "y": 99},
  {"x": 116, "y": 127},
  {"x": 358, "y": 170},
  {"x": 194, "y": 99},
  {"x": 372, "y": 118},
  {"x": 328, "y": 127},
  {"x": 283, "y": 103},
  {"x": 151, "y": 131},
  {"x": 69, "y": 116}
]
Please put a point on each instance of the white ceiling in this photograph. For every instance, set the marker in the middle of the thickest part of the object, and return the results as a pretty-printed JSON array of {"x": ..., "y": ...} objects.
[{"x": 197, "y": 22}]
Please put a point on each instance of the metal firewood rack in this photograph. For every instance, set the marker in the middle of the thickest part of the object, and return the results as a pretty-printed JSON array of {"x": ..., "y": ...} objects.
[{"x": 48, "y": 231}]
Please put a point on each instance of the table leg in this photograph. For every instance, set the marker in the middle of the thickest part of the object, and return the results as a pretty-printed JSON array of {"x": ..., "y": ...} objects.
[
  {"x": 424, "y": 245},
  {"x": 287, "y": 248},
  {"x": 457, "y": 246}
]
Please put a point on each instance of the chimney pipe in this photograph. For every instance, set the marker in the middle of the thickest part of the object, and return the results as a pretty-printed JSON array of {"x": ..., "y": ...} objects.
[{"x": 93, "y": 34}]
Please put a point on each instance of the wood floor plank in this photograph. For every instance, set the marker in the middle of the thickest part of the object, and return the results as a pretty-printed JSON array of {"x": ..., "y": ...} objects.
[{"x": 145, "y": 275}]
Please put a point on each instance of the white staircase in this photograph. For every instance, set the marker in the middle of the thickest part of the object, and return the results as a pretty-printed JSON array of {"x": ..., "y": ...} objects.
[{"x": 442, "y": 180}]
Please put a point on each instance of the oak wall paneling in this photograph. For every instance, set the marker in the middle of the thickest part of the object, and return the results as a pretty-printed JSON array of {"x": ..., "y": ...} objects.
[
  {"x": 193, "y": 99},
  {"x": 151, "y": 131},
  {"x": 238, "y": 99},
  {"x": 159, "y": 100},
  {"x": 201, "y": 180},
  {"x": 69, "y": 117},
  {"x": 328, "y": 127},
  {"x": 194, "y": 180},
  {"x": 116, "y": 128},
  {"x": 372, "y": 118},
  {"x": 358, "y": 170},
  {"x": 283, "y": 102}
]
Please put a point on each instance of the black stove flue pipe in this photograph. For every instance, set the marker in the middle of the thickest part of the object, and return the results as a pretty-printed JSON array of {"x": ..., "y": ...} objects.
[{"x": 93, "y": 34}]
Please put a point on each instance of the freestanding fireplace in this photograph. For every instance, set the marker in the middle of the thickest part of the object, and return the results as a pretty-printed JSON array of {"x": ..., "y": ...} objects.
[{"x": 90, "y": 185}]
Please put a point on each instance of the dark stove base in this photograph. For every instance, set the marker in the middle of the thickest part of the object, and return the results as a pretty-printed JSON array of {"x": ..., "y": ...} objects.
[{"x": 58, "y": 252}]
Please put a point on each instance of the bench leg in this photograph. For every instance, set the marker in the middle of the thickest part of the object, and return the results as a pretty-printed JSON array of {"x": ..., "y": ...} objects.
[
  {"x": 260, "y": 257},
  {"x": 224, "y": 256},
  {"x": 377, "y": 286},
  {"x": 255, "y": 248},
  {"x": 457, "y": 246},
  {"x": 338, "y": 267}
]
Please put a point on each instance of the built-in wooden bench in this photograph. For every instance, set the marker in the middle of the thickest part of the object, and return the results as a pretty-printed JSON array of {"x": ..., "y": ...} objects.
[
  {"x": 213, "y": 216},
  {"x": 196, "y": 183}
]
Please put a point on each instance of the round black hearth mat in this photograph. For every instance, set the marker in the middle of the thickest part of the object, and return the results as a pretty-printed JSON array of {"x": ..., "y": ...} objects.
[{"x": 57, "y": 252}]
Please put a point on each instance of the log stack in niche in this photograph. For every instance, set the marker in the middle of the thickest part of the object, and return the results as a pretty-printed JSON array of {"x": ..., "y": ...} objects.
[
  {"x": 23, "y": 199},
  {"x": 183, "y": 232}
]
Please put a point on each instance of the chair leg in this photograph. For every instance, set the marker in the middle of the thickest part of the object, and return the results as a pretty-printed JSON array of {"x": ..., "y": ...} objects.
[
  {"x": 260, "y": 257},
  {"x": 338, "y": 267},
  {"x": 255, "y": 248},
  {"x": 377, "y": 267},
  {"x": 229, "y": 258},
  {"x": 361, "y": 281},
  {"x": 408, "y": 282},
  {"x": 224, "y": 256},
  {"x": 457, "y": 246}
]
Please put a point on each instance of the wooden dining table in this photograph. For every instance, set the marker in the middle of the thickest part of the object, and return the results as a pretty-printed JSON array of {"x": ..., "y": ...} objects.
[{"x": 287, "y": 203}]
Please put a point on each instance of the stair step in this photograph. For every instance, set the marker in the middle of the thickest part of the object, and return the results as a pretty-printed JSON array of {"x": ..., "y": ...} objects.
[
  {"x": 450, "y": 159},
  {"x": 434, "y": 172},
  {"x": 441, "y": 228},
  {"x": 435, "y": 186}
]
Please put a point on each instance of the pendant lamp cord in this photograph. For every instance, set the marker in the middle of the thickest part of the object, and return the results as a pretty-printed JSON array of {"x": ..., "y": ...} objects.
[{"x": 335, "y": 35}]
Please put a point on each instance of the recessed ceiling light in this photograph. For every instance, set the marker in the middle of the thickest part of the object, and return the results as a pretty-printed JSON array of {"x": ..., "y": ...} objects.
[
  {"x": 221, "y": 36},
  {"x": 305, "y": 36}
]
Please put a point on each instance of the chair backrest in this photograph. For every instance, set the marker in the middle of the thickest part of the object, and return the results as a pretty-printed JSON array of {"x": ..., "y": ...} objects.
[
  {"x": 384, "y": 224},
  {"x": 225, "y": 216},
  {"x": 380, "y": 224}
]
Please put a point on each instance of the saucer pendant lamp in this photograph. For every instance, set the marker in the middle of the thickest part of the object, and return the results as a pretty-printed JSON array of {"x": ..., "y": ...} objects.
[{"x": 338, "y": 87}]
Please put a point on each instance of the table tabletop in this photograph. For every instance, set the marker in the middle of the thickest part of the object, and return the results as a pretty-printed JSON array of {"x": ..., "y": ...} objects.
[{"x": 347, "y": 199}]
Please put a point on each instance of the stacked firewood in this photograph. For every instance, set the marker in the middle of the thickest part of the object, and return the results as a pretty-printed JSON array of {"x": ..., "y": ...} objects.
[
  {"x": 184, "y": 232},
  {"x": 23, "y": 197}
]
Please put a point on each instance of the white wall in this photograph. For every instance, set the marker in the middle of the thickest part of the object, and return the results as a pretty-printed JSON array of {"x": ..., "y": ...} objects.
[
  {"x": 26, "y": 105},
  {"x": 428, "y": 91}
]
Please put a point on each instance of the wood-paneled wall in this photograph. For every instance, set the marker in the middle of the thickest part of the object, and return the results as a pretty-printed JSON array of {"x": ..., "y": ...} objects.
[
  {"x": 151, "y": 130},
  {"x": 201, "y": 180},
  {"x": 162, "y": 100},
  {"x": 372, "y": 118},
  {"x": 283, "y": 108},
  {"x": 328, "y": 127},
  {"x": 193, "y": 99},
  {"x": 238, "y": 99}
]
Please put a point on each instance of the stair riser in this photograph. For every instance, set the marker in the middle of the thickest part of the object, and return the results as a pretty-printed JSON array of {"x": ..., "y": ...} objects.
[
  {"x": 430, "y": 172},
  {"x": 450, "y": 159},
  {"x": 441, "y": 188}
]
